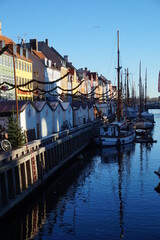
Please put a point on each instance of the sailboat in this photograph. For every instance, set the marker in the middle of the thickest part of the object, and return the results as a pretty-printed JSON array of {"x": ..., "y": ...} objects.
[
  {"x": 130, "y": 109},
  {"x": 146, "y": 115},
  {"x": 119, "y": 132},
  {"x": 143, "y": 121}
]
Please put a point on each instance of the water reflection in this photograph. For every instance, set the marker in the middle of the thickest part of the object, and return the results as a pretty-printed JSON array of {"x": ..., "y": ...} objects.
[
  {"x": 107, "y": 195},
  {"x": 120, "y": 156},
  {"x": 111, "y": 154},
  {"x": 48, "y": 210}
]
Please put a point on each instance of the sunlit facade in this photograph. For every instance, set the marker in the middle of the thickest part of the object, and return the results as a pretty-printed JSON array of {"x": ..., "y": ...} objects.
[
  {"x": 24, "y": 75},
  {"x": 6, "y": 75}
]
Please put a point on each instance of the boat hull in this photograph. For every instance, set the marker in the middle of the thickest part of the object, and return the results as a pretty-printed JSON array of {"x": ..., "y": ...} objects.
[
  {"x": 143, "y": 125},
  {"x": 114, "y": 141}
]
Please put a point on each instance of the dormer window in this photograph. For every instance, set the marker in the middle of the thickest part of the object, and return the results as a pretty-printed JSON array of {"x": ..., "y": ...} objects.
[
  {"x": 45, "y": 61},
  {"x": 49, "y": 63}
]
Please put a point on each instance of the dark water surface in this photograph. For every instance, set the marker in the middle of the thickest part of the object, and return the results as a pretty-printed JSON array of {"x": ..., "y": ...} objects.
[{"x": 110, "y": 194}]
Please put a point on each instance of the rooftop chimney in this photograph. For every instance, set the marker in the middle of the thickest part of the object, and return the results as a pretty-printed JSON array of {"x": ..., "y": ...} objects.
[
  {"x": 66, "y": 58},
  {"x": 34, "y": 44},
  {"x": 2, "y": 44},
  {"x": 0, "y": 28},
  {"x": 46, "y": 41}
]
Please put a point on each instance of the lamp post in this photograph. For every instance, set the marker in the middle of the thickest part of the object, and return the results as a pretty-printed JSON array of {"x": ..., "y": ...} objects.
[
  {"x": 15, "y": 82},
  {"x": 15, "y": 90}
]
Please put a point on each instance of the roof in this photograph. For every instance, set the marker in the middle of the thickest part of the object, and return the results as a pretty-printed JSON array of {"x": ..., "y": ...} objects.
[
  {"x": 65, "y": 105},
  {"x": 53, "y": 105},
  {"x": 39, "y": 54},
  {"x": 8, "y": 106},
  {"x": 51, "y": 53},
  {"x": 90, "y": 105},
  {"x": 39, "y": 105},
  {"x": 8, "y": 41},
  {"x": 23, "y": 58},
  {"x": 78, "y": 104}
]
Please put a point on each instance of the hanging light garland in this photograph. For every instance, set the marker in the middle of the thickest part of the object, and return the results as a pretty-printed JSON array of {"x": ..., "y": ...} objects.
[{"x": 5, "y": 86}]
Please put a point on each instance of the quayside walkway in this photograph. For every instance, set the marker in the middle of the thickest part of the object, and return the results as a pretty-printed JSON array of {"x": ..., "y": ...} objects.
[{"x": 25, "y": 169}]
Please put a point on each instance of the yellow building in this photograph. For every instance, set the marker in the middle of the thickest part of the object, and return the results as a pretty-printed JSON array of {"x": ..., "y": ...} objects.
[
  {"x": 24, "y": 74},
  {"x": 64, "y": 81}
]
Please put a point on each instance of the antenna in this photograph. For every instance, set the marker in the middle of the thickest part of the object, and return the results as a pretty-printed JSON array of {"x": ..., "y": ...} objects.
[{"x": 21, "y": 36}]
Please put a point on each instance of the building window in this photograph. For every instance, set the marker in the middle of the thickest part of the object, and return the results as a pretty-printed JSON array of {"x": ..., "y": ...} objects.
[
  {"x": 25, "y": 67},
  {"x": 22, "y": 66},
  {"x": 4, "y": 78},
  {"x": 4, "y": 61},
  {"x": 0, "y": 60},
  {"x": 10, "y": 62},
  {"x": 19, "y": 65}
]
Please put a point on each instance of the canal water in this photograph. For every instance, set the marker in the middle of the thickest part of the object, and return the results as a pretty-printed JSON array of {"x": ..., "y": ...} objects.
[{"x": 109, "y": 194}]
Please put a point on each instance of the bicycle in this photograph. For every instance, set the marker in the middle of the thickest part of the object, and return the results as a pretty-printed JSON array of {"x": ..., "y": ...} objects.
[{"x": 4, "y": 143}]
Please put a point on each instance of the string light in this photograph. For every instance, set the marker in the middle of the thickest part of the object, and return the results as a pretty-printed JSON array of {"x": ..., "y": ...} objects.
[{"x": 39, "y": 91}]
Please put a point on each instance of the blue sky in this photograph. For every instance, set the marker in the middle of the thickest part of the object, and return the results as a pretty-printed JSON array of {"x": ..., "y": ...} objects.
[{"x": 86, "y": 31}]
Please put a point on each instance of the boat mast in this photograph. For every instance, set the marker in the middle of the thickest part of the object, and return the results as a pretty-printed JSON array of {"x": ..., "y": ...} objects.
[
  {"x": 118, "y": 79},
  {"x": 146, "y": 90},
  {"x": 121, "y": 100},
  {"x": 140, "y": 91},
  {"x": 125, "y": 90},
  {"x": 127, "y": 87}
]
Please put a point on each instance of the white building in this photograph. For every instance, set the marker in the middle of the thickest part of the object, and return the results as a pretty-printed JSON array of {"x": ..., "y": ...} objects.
[
  {"x": 57, "y": 116},
  {"x": 51, "y": 75},
  {"x": 91, "y": 113},
  {"x": 102, "y": 107},
  {"x": 44, "y": 119},
  {"x": 85, "y": 113},
  {"x": 78, "y": 115},
  {"x": 27, "y": 120},
  {"x": 27, "y": 116},
  {"x": 67, "y": 113}
]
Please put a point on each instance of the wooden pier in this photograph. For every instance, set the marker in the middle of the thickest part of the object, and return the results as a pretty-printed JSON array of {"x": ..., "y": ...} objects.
[{"x": 25, "y": 169}]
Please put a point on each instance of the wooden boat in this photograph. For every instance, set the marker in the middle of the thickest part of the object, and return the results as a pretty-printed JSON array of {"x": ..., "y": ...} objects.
[
  {"x": 143, "y": 124},
  {"x": 145, "y": 139},
  {"x": 115, "y": 134},
  {"x": 131, "y": 113},
  {"x": 119, "y": 132},
  {"x": 140, "y": 132},
  {"x": 148, "y": 140},
  {"x": 148, "y": 116},
  {"x": 145, "y": 120}
]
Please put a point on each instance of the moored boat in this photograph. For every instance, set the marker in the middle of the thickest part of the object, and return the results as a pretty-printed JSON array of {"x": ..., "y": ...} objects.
[
  {"x": 115, "y": 134},
  {"x": 148, "y": 116},
  {"x": 120, "y": 132},
  {"x": 143, "y": 124},
  {"x": 145, "y": 140}
]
